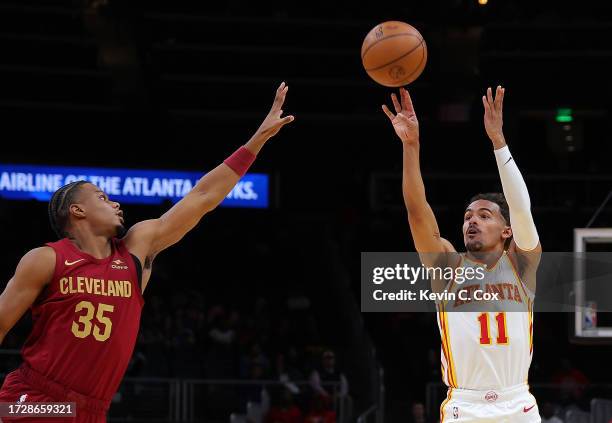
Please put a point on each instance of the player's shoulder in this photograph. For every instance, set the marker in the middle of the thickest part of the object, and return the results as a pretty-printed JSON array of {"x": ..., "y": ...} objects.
[
  {"x": 448, "y": 247},
  {"x": 61, "y": 246},
  {"x": 452, "y": 257},
  {"x": 141, "y": 229},
  {"x": 38, "y": 264},
  {"x": 139, "y": 238},
  {"x": 524, "y": 259},
  {"x": 40, "y": 255},
  {"x": 447, "y": 257}
]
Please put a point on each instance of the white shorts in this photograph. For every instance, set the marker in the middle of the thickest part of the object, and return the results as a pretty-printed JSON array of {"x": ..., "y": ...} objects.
[{"x": 509, "y": 405}]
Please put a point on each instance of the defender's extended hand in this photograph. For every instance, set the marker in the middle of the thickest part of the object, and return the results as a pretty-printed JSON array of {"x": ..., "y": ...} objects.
[
  {"x": 274, "y": 122},
  {"x": 405, "y": 121},
  {"x": 493, "y": 116}
]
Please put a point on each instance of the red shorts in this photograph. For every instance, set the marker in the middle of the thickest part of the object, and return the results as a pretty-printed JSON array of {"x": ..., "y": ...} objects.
[{"x": 37, "y": 388}]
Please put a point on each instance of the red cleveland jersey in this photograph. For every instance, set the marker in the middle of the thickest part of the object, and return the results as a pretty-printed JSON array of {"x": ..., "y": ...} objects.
[{"x": 85, "y": 322}]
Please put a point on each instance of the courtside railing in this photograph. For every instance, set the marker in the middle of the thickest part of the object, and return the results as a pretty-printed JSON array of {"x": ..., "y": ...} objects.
[
  {"x": 160, "y": 400},
  {"x": 216, "y": 400}
]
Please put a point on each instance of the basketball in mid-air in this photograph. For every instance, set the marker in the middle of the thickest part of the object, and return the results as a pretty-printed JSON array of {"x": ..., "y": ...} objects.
[{"x": 394, "y": 53}]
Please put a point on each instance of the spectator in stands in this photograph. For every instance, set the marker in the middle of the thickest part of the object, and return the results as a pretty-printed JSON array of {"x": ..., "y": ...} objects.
[
  {"x": 287, "y": 371},
  {"x": 284, "y": 411},
  {"x": 253, "y": 392},
  {"x": 548, "y": 414},
  {"x": 572, "y": 384},
  {"x": 328, "y": 373},
  {"x": 320, "y": 411},
  {"x": 156, "y": 315},
  {"x": 247, "y": 333},
  {"x": 255, "y": 356},
  {"x": 185, "y": 353},
  {"x": 220, "y": 359},
  {"x": 418, "y": 414},
  {"x": 194, "y": 317},
  {"x": 155, "y": 346}
]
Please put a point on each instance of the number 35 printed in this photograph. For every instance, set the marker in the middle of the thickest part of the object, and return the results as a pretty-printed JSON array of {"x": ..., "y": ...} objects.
[{"x": 101, "y": 327}]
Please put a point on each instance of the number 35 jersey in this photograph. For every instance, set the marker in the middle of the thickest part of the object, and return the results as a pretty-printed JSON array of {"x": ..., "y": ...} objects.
[
  {"x": 487, "y": 344},
  {"x": 86, "y": 320}
]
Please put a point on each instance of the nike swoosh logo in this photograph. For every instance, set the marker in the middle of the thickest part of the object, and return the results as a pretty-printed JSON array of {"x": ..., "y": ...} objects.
[
  {"x": 70, "y": 263},
  {"x": 507, "y": 161},
  {"x": 525, "y": 409}
]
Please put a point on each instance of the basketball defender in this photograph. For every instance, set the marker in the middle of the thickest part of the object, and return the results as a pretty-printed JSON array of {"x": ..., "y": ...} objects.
[
  {"x": 85, "y": 290},
  {"x": 486, "y": 346}
]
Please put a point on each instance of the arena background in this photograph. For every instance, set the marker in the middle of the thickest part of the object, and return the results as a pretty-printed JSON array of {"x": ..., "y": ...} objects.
[{"x": 252, "y": 294}]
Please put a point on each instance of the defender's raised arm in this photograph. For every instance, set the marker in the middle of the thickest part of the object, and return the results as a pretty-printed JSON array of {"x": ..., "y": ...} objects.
[{"x": 149, "y": 237}]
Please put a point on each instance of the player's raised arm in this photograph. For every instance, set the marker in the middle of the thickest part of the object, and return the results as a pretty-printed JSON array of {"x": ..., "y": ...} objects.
[
  {"x": 525, "y": 242},
  {"x": 33, "y": 272},
  {"x": 421, "y": 218},
  {"x": 149, "y": 237}
]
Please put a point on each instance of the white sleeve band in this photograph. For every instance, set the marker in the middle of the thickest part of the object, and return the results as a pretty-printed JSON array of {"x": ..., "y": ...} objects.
[{"x": 523, "y": 229}]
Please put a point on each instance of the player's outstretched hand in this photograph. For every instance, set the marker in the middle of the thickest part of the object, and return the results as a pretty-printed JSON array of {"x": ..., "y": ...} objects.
[
  {"x": 404, "y": 121},
  {"x": 493, "y": 115},
  {"x": 274, "y": 122}
]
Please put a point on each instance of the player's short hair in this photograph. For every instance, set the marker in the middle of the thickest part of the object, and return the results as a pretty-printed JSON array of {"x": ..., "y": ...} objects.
[
  {"x": 497, "y": 198},
  {"x": 59, "y": 207}
]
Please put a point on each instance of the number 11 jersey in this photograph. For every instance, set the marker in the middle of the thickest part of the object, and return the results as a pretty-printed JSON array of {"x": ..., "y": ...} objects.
[{"x": 487, "y": 344}]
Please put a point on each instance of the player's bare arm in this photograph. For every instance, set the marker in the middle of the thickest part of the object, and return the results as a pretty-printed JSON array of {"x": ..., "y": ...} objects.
[
  {"x": 423, "y": 224},
  {"x": 146, "y": 239},
  {"x": 33, "y": 272},
  {"x": 525, "y": 248}
]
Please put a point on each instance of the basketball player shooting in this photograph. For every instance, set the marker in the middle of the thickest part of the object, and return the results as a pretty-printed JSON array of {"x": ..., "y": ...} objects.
[
  {"x": 85, "y": 290},
  {"x": 485, "y": 354}
]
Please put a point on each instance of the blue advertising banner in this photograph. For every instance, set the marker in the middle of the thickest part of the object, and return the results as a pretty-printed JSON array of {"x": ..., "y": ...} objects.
[{"x": 26, "y": 182}]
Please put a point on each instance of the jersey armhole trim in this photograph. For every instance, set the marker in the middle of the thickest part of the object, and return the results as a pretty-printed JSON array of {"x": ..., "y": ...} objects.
[
  {"x": 526, "y": 290},
  {"x": 138, "y": 270},
  {"x": 58, "y": 264}
]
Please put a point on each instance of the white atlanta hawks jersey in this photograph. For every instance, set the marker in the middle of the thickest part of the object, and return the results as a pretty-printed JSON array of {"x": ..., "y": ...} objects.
[{"x": 487, "y": 344}]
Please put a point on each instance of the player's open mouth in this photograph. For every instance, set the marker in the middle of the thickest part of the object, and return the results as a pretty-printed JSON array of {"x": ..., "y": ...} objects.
[{"x": 472, "y": 231}]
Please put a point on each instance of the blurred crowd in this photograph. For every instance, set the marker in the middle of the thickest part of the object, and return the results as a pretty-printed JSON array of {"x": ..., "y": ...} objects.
[{"x": 183, "y": 337}]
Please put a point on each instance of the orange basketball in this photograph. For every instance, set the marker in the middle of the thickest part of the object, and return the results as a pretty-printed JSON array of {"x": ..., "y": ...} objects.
[{"x": 394, "y": 53}]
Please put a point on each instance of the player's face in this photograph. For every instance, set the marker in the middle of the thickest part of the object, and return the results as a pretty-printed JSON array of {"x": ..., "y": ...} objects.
[
  {"x": 484, "y": 227},
  {"x": 102, "y": 213}
]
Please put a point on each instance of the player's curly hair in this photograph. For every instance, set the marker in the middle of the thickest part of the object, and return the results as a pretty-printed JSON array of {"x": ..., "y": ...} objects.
[{"x": 59, "y": 207}]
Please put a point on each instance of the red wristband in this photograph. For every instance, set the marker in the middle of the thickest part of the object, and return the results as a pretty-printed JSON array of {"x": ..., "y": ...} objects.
[{"x": 240, "y": 161}]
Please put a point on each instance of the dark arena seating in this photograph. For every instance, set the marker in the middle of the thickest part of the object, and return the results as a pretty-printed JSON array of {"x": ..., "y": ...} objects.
[{"x": 243, "y": 316}]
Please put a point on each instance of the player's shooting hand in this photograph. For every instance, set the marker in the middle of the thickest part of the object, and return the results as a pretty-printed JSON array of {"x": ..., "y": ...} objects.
[
  {"x": 493, "y": 115},
  {"x": 404, "y": 121},
  {"x": 274, "y": 122}
]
